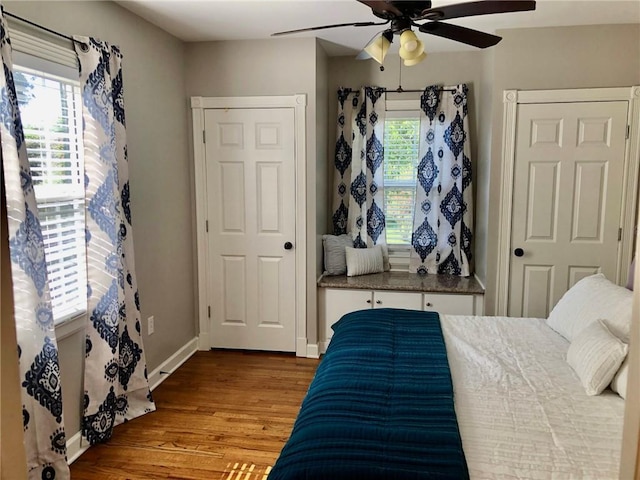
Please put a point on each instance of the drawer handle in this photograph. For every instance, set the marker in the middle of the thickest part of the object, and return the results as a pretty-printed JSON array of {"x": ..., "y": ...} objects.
[
  {"x": 429, "y": 304},
  {"x": 368, "y": 301},
  {"x": 379, "y": 302}
]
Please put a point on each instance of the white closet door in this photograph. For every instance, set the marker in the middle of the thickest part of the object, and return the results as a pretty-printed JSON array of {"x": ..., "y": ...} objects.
[
  {"x": 567, "y": 197},
  {"x": 250, "y": 158}
]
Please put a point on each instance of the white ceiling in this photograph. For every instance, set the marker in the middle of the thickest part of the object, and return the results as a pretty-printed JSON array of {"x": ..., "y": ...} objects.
[{"x": 205, "y": 20}]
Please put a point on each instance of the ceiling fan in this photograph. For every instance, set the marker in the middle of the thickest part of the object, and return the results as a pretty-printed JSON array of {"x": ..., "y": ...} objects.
[{"x": 402, "y": 15}]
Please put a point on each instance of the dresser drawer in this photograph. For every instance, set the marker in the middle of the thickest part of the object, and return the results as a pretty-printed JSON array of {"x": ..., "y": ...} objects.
[
  {"x": 446, "y": 303},
  {"x": 406, "y": 300}
]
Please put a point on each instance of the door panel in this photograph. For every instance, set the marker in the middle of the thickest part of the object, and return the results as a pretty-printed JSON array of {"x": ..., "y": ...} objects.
[
  {"x": 543, "y": 193},
  {"x": 234, "y": 278},
  {"x": 250, "y": 162},
  {"x": 567, "y": 197},
  {"x": 270, "y": 206},
  {"x": 538, "y": 287},
  {"x": 232, "y": 193},
  {"x": 588, "y": 206}
]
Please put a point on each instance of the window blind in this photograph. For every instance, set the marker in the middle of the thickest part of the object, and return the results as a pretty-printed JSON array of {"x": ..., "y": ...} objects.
[
  {"x": 401, "y": 150},
  {"x": 50, "y": 108}
]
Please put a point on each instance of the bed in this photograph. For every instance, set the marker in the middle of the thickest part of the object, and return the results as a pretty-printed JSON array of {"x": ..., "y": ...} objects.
[{"x": 373, "y": 411}]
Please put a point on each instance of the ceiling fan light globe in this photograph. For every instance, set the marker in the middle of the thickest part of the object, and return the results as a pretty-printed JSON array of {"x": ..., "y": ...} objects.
[
  {"x": 409, "y": 41},
  {"x": 378, "y": 48},
  {"x": 415, "y": 61},
  {"x": 411, "y": 55},
  {"x": 411, "y": 45}
]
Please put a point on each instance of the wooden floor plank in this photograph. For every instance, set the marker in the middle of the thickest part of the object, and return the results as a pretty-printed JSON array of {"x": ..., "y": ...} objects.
[{"x": 222, "y": 415}]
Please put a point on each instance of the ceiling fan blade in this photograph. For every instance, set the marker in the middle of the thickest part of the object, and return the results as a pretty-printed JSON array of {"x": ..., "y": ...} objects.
[
  {"x": 471, "y": 37},
  {"x": 382, "y": 7},
  {"x": 471, "y": 9},
  {"x": 323, "y": 27}
]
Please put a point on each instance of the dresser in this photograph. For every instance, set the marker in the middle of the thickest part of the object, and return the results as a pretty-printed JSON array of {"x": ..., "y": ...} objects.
[{"x": 446, "y": 294}]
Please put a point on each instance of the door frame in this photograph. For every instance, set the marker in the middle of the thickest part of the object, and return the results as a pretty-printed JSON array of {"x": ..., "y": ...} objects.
[
  {"x": 511, "y": 100},
  {"x": 298, "y": 103}
]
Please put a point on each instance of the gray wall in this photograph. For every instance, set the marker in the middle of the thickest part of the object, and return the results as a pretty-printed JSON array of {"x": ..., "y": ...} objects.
[
  {"x": 437, "y": 68},
  {"x": 553, "y": 58},
  {"x": 269, "y": 67},
  {"x": 154, "y": 85}
]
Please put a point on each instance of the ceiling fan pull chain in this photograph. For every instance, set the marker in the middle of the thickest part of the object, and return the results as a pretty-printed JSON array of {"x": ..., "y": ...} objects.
[{"x": 399, "y": 89}]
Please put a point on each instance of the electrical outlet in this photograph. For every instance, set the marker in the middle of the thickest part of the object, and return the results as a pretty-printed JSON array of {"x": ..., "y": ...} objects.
[{"x": 150, "y": 325}]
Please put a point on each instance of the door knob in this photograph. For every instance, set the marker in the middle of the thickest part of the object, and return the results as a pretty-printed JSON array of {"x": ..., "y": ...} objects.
[
  {"x": 379, "y": 302},
  {"x": 518, "y": 252},
  {"x": 288, "y": 246}
]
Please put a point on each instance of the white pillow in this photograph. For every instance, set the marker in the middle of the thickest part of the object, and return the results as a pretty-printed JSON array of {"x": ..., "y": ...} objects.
[
  {"x": 619, "y": 383},
  {"x": 590, "y": 299},
  {"x": 361, "y": 261},
  {"x": 596, "y": 355}
]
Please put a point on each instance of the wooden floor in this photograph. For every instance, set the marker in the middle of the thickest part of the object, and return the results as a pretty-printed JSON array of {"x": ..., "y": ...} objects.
[{"x": 219, "y": 411}]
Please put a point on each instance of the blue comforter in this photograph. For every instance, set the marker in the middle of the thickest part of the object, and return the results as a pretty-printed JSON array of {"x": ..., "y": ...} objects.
[{"x": 380, "y": 405}]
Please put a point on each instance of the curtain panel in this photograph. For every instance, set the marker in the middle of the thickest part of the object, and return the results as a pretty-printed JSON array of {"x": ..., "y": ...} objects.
[
  {"x": 115, "y": 380},
  {"x": 443, "y": 213},
  {"x": 358, "y": 198},
  {"x": 44, "y": 435}
]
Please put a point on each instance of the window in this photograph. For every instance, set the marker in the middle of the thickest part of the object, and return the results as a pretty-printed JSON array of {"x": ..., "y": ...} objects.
[
  {"x": 401, "y": 152},
  {"x": 51, "y": 109}
]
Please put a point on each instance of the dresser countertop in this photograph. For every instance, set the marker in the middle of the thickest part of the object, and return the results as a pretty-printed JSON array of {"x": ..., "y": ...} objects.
[{"x": 405, "y": 281}]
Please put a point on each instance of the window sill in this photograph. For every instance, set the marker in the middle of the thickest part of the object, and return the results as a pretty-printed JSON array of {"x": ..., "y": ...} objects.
[{"x": 71, "y": 326}]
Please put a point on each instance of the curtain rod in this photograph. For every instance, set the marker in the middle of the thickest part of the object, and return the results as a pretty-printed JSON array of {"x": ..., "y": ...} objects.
[
  {"x": 402, "y": 90},
  {"x": 62, "y": 35}
]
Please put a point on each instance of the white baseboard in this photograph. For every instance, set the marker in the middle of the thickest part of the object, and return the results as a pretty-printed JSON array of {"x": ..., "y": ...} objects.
[
  {"x": 172, "y": 363},
  {"x": 323, "y": 346},
  {"x": 312, "y": 350},
  {"x": 74, "y": 448},
  {"x": 159, "y": 375}
]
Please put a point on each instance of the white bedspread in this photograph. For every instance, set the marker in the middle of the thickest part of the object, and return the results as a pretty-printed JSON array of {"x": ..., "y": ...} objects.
[{"x": 521, "y": 409}]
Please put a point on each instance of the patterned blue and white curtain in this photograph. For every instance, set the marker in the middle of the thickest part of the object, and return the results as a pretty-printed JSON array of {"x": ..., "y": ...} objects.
[
  {"x": 443, "y": 213},
  {"x": 115, "y": 380},
  {"x": 44, "y": 435},
  {"x": 358, "y": 201}
]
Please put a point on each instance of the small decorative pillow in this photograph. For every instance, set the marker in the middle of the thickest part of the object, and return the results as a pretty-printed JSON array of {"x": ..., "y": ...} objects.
[
  {"x": 361, "y": 261},
  {"x": 619, "y": 383},
  {"x": 592, "y": 298},
  {"x": 335, "y": 261},
  {"x": 596, "y": 355}
]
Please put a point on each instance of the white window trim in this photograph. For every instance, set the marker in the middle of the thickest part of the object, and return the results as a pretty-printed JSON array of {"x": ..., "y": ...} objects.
[{"x": 61, "y": 61}]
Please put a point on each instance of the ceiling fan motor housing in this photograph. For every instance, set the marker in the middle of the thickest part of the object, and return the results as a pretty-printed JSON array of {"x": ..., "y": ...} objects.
[{"x": 397, "y": 9}]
